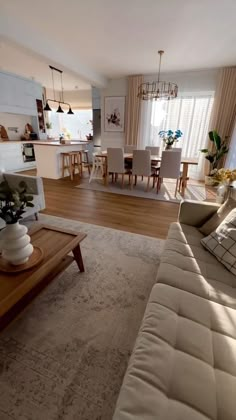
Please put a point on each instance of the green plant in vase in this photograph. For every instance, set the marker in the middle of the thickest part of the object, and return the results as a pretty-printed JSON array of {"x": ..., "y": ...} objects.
[
  {"x": 14, "y": 241},
  {"x": 214, "y": 154},
  {"x": 170, "y": 137}
]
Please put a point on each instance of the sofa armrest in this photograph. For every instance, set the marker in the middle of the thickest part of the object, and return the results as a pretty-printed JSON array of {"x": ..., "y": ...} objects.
[{"x": 195, "y": 213}]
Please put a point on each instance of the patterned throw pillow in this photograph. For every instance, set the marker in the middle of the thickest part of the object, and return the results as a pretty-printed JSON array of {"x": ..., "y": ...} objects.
[{"x": 222, "y": 242}]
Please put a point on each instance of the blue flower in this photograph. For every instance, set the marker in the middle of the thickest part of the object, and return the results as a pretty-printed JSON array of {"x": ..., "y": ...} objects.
[{"x": 169, "y": 133}]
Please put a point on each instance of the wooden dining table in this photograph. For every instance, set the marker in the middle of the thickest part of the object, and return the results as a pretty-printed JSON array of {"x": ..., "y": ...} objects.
[{"x": 185, "y": 161}]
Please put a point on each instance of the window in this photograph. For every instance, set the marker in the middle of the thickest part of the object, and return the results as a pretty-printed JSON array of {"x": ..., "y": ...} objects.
[
  {"x": 76, "y": 126},
  {"x": 190, "y": 114}
]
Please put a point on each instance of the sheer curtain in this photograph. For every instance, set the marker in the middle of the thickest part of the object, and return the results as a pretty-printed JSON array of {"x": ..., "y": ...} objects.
[
  {"x": 231, "y": 156},
  {"x": 190, "y": 113}
]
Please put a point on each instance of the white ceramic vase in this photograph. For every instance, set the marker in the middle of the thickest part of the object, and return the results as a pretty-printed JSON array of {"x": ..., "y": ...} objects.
[{"x": 15, "y": 244}]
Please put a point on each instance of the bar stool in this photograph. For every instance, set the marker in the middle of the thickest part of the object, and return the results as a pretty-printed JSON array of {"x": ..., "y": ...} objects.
[
  {"x": 71, "y": 160},
  {"x": 84, "y": 160}
]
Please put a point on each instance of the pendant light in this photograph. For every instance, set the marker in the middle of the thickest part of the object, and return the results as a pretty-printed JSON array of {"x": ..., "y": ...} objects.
[
  {"x": 70, "y": 112},
  {"x": 47, "y": 107},
  {"x": 158, "y": 89},
  {"x": 59, "y": 109},
  {"x": 61, "y": 101}
]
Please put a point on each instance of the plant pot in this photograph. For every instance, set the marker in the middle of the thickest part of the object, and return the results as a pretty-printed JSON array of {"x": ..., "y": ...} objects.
[
  {"x": 15, "y": 244},
  {"x": 209, "y": 180},
  {"x": 168, "y": 147}
]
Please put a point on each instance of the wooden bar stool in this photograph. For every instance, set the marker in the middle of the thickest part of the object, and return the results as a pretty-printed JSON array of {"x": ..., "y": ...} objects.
[
  {"x": 71, "y": 160},
  {"x": 85, "y": 161}
]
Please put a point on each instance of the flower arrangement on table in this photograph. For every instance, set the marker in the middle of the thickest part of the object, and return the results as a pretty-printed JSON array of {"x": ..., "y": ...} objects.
[
  {"x": 13, "y": 201},
  {"x": 224, "y": 176},
  {"x": 15, "y": 243},
  {"x": 169, "y": 137}
]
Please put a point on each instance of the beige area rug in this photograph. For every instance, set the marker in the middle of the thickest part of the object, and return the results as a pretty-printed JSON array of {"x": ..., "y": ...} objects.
[
  {"x": 167, "y": 192},
  {"x": 65, "y": 356}
]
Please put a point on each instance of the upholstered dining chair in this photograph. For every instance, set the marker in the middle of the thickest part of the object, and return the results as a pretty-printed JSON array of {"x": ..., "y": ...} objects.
[
  {"x": 170, "y": 167},
  {"x": 155, "y": 150},
  {"x": 141, "y": 166},
  {"x": 128, "y": 148},
  {"x": 116, "y": 163}
]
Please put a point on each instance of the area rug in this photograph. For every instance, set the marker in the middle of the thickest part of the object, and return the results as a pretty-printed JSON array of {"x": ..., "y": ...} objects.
[
  {"x": 65, "y": 356},
  {"x": 167, "y": 192}
]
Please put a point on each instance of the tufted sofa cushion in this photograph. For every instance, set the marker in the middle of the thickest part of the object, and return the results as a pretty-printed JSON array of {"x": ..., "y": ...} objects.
[
  {"x": 184, "y": 362},
  {"x": 183, "y": 366},
  {"x": 185, "y": 264}
]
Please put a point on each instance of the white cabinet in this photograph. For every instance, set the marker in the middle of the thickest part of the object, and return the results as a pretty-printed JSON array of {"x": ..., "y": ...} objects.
[
  {"x": 18, "y": 95},
  {"x": 11, "y": 158}
]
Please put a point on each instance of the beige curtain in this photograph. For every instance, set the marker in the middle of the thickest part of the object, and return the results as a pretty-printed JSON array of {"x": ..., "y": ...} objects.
[
  {"x": 133, "y": 110},
  {"x": 223, "y": 115}
]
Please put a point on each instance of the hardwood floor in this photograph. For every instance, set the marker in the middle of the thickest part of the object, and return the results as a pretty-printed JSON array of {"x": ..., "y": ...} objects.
[{"x": 132, "y": 214}]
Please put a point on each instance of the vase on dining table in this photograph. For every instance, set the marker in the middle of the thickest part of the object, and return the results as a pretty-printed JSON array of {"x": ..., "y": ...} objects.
[{"x": 168, "y": 147}]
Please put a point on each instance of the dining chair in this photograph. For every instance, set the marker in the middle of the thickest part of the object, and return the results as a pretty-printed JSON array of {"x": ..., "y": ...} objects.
[
  {"x": 141, "y": 166},
  {"x": 97, "y": 171},
  {"x": 116, "y": 163},
  {"x": 176, "y": 149},
  {"x": 155, "y": 150},
  {"x": 128, "y": 148},
  {"x": 170, "y": 167}
]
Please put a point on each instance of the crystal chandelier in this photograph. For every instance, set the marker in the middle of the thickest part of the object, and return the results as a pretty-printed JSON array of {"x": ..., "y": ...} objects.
[{"x": 159, "y": 89}]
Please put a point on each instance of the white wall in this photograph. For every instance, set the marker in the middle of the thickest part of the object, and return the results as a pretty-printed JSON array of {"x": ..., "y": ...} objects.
[
  {"x": 78, "y": 99},
  {"x": 193, "y": 81},
  {"x": 14, "y": 120},
  {"x": 115, "y": 87}
]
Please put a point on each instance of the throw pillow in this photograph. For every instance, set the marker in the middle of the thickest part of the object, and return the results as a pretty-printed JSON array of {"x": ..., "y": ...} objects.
[
  {"x": 218, "y": 217},
  {"x": 222, "y": 242}
]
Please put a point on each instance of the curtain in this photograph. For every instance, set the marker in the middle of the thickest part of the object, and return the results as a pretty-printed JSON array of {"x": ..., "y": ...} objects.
[
  {"x": 133, "y": 110},
  {"x": 190, "y": 113},
  {"x": 224, "y": 110}
]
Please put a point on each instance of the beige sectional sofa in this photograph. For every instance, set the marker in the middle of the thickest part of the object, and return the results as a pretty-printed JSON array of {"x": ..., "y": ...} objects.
[{"x": 183, "y": 365}]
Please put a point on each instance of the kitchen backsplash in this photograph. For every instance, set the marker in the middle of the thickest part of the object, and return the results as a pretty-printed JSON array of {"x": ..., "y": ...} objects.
[{"x": 14, "y": 121}]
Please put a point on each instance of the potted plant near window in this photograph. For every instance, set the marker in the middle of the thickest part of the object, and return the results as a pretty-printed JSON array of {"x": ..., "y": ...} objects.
[
  {"x": 170, "y": 137},
  {"x": 49, "y": 129},
  {"x": 14, "y": 241},
  {"x": 214, "y": 154}
]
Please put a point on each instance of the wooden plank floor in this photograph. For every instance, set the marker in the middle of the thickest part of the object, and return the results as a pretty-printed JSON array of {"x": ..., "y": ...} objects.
[{"x": 132, "y": 214}]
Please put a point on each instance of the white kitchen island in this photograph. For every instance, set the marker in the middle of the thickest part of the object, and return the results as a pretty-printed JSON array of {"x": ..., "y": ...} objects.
[{"x": 48, "y": 156}]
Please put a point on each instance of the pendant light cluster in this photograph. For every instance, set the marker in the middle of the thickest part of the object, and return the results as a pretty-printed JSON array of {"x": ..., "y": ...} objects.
[
  {"x": 61, "y": 101},
  {"x": 158, "y": 89}
]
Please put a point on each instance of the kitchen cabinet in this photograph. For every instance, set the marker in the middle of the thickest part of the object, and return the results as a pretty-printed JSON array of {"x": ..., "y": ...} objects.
[
  {"x": 18, "y": 95},
  {"x": 11, "y": 158}
]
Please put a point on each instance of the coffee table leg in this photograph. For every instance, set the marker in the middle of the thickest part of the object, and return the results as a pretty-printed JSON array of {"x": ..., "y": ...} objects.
[{"x": 78, "y": 258}]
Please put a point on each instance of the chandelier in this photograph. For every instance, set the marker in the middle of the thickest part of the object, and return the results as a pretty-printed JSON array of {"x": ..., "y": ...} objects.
[
  {"x": 159, "y": 89},
  {"x": 61, "y": 101}
]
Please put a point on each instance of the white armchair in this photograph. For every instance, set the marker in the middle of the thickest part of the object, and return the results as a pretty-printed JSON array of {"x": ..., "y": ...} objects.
[{"x": 34, "y": 187}]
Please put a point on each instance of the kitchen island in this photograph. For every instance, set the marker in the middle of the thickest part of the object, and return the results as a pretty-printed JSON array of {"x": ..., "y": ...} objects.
[{"x": 48, "y": 156}]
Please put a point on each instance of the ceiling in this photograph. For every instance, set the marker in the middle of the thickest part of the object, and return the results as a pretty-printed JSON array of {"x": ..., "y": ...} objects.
[
  {"x": 16, "y": 59},
  {"x": 110, "y": 38}
]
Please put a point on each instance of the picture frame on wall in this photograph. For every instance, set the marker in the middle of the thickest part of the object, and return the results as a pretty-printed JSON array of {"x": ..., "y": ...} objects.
[{"x": 114, "y": 114}]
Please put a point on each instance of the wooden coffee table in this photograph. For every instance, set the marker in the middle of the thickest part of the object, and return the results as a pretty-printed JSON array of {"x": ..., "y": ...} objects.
[{"x": 17, "y": 290}]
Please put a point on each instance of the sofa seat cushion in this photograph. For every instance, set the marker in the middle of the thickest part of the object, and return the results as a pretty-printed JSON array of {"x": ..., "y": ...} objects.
[
  {"x": 185, "y": 264},
  {"x": 184, "y": 362}
]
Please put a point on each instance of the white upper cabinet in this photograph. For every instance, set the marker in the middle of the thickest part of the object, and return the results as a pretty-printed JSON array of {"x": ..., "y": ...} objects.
[{"x": 18, "y": 95}]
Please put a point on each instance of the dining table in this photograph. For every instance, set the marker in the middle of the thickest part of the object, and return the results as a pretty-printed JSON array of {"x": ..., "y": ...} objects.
[{"x": 185, "y": 161}]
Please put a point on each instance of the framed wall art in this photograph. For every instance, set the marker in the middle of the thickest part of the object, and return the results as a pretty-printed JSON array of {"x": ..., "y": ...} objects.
[{"x": 114, "y": 113}]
